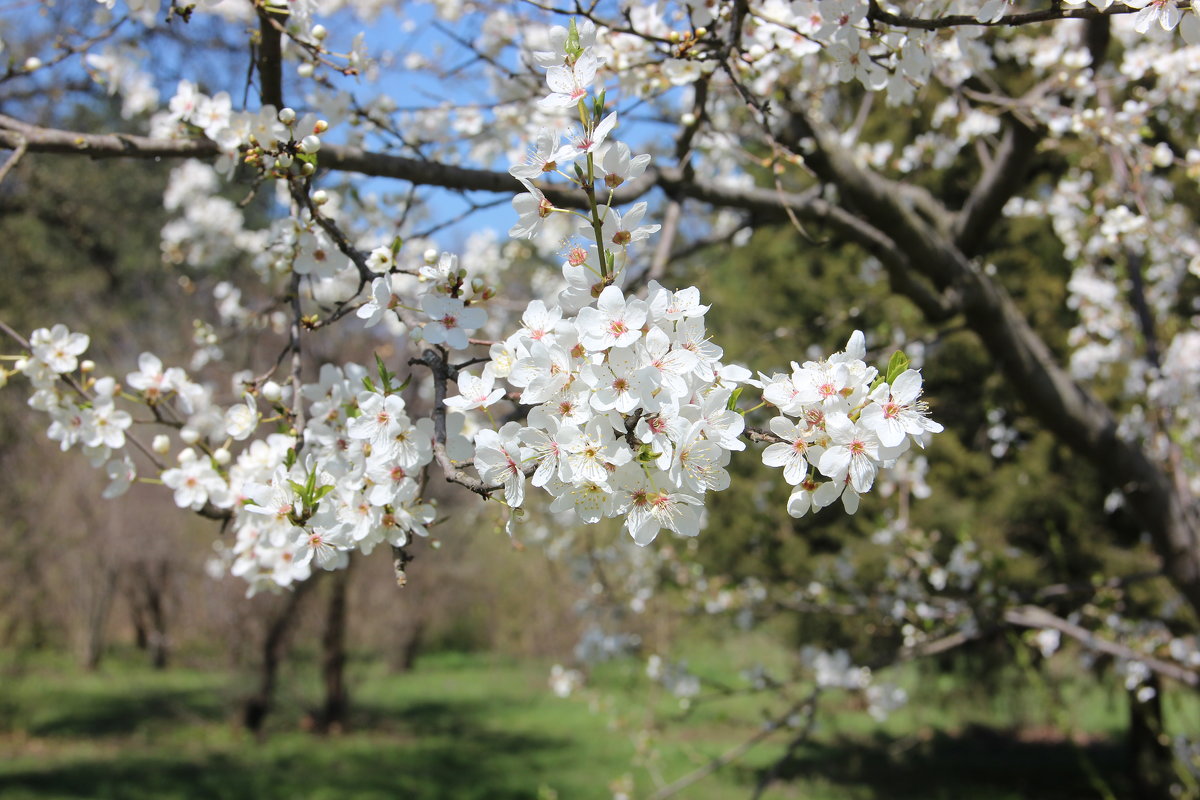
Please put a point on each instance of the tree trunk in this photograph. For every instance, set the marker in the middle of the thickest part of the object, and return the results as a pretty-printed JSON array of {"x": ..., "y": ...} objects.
[
  {"x": 258, "y": 705},
  {"x": 156, "y": 597},
  {"x": 93, "y": 650},
  {"x": 412, "y": 647},
  {"x": 1149, "y": 753},
  {"x": 332, "y": 716}
]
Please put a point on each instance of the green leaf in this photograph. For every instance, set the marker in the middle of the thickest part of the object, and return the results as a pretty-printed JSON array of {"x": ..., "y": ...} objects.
[
  {"x": 321, "y": 492},
  {"x": 290, "y": 458},
  {"x": 298, "y": 488},
  {"x": 368, "y": 383},
  {"x": 731, "y": 404},
  {"x": 896, "y": 366},
  {"x": 385, "y": 377}
]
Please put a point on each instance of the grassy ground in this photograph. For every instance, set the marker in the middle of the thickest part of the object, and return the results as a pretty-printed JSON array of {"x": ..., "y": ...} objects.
[{"x": 479, "y": 727}]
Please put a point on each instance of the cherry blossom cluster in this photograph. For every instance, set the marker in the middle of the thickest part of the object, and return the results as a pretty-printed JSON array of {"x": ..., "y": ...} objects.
[
  {"x": 630, "y": 411},
  {"x": 350, "y": 482},
  {"x": 839, "y": 419}
]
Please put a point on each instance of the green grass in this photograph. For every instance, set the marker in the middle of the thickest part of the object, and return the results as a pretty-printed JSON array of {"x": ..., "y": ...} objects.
[{"x": 483, "y": 727}]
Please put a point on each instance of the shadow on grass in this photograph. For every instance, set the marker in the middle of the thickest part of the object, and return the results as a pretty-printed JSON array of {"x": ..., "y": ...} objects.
[
  {"x": 980, "y": 763},
  {"x": 121, "y": 714},
  {"x": 422, "y": 750}
]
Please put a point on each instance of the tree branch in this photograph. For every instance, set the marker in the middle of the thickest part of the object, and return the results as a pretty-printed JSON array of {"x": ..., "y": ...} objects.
[{"x": 1004, "y": 178}]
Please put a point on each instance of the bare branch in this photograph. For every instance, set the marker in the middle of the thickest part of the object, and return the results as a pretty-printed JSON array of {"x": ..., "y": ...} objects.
[{"x": 1036, "y": 617}]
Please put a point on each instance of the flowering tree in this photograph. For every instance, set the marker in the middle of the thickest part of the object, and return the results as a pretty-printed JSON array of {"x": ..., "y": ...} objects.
[{"x": 626, "y": 136}]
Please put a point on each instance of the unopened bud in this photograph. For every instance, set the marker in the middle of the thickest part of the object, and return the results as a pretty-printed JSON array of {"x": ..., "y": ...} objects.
[
  {"x": 431, "y": 256},
  {"x": 477, "y": 285},
  {"x": 186, "y": 456},
  {"x": 319, "y": 33},
  {"x": 271, "y": 392},
  {"x": 701, "y": 31},
  {"x": 160, "y": 444},
  {"x": 222, "y": 456},
  {"x": 287, "y": 116},
  {"x": 305, "y": 70},
  {"x": 320, "y": 197},
  {"x": 32, "y": 63},
  {"x": 307, "y": 169},
  {"x": 310, "y": 144},
  {"x": 674, "y": 36},
  {"x": 283, "y": 161},
  {"x": 87, "y": 365},
  {"x": 189, "y": 435},
  {"x": 321, "y": 126}
]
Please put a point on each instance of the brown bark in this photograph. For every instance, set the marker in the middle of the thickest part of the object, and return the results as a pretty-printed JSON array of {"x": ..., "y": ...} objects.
[
  {"x": 332, "y": 716},
  {"x": 258, "y": 706}
]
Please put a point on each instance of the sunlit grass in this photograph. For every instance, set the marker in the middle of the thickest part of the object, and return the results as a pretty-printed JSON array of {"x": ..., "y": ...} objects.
[{"x": 474, "y": 726}]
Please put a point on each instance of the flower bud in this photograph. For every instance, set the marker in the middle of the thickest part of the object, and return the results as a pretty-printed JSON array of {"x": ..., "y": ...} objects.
[
  {"x": 187, "y": 455},
  {"x": 431, "y": 256},
  {"x": 222, "y": 456},
  {"x": 87, "y": 365},
  {"x": 309, "y": 144},
  {"x": 477, "y": 285},
  {"x": 189, "y": 435},
  {"x": 287, "y": 116},
  {"x": 161, "y": 444},
  {"x": 321, "y": 126},
  {"x": 307, "y": 169},
  {"x": 32, "y": 63},
  {"x": 283, "y": 161},
  {"x": 305, "y": 70},
  {"x": 320, "y": 197},
  {"x": 319, "y": 33}
]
